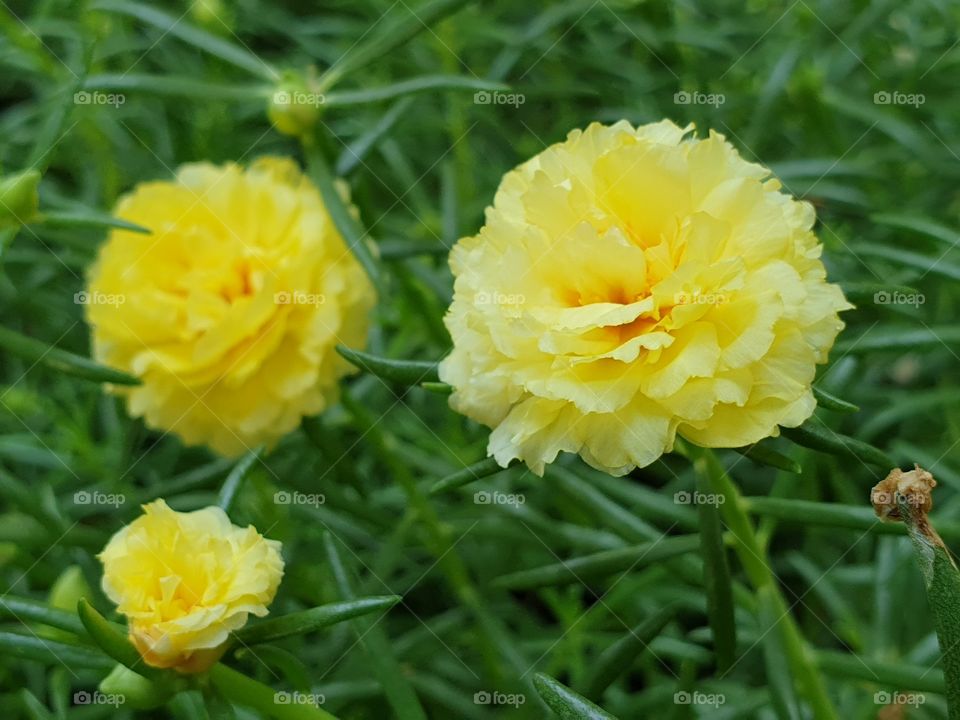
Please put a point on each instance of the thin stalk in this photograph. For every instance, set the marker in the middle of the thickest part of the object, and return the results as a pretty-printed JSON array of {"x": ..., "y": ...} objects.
[{"x": 755, "y": 563}]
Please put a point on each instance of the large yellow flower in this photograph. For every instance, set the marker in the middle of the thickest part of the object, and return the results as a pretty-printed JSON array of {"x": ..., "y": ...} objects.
[
  {"x": 230, "y": 309},
  {"x": 186, "y": 580},
  {"x": 631, "y": 284}
]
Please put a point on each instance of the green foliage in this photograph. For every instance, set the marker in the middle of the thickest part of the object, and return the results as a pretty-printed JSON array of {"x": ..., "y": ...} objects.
[{"x": 510, "y": 586}]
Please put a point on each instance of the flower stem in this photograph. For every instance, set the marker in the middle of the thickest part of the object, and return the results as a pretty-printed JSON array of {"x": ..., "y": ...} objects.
[
  {"x": 754, "y": 560},
  {"x": 907, "y": 496},
  {"x": 254, "y": 694}
]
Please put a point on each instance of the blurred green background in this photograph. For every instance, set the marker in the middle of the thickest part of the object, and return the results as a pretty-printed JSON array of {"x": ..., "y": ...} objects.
[{"x": 853, "y": 105}]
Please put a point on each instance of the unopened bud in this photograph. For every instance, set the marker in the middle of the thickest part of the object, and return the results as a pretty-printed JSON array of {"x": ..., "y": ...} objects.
[{"x": 19, "y": 199}]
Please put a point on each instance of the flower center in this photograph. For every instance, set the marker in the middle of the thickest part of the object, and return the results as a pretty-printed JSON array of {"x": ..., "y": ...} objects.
[{"x": 238, "y": 282}]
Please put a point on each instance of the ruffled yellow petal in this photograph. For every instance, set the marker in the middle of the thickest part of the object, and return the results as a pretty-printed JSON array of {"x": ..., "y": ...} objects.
[
  {"x": 233, "y": 305},
  {"x": 631, "y": 284}
]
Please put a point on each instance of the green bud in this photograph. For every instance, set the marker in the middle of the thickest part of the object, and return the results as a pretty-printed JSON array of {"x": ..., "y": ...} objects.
[
  {"x": 213, "y": 15},
  {"x": 68, "y": 589},
  {"x": 64, "y": 595},
  {"x": 129, "y": 688},
  {"x": 19, "y": 200},
  {"x": 295, "y": 105}
]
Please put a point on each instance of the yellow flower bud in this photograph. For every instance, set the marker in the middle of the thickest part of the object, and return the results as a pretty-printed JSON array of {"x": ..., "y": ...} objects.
[{"x": 185, "y": 581}]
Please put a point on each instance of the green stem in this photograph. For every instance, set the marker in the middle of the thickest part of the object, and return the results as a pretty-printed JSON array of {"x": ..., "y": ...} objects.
[
  {"x": 942, "y": 581},
  {"x": 254, "y": 694},
  {"x": 493, "y": 635},
  {"x": 755, "y": 563}
]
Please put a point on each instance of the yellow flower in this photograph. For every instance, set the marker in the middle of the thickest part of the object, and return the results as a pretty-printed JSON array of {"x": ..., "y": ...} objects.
[
  {"x": 186, "y": 580},
  {"x": 230, "y": 309},
  {"x": 631, "y": 284}
]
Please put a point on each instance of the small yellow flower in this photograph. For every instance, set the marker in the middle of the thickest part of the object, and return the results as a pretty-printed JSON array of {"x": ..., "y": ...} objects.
[
  {"x": 230, "y": 309},
  {"x": 631, "y": 284},
  {"x": 186, "y": 580}
]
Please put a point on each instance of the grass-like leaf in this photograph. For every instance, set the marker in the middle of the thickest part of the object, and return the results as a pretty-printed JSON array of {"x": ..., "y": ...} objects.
[
  {"x": 52, "y": 652},
  {"x": 201, "y": 39},
  {"x": 565, "y": 703},
  {"x": 35, "y": 351},
  {"x": 716, "y": 572},
  {"x": 89, "y": 220},
  {"x": 832, "y": 402},
  {"x": 24, "y": 609},
  {"x": 305, "y": 621},
  {"x": 765, "y": 455},
  {"x": 383, "y": 663},
  {"x": 349, "y": 227},
  {"x": 900, "y": 338},
  {"x": 402, "y": 372},
  {"x": 477, "y": 471},
  {"x": 231, "y": 486},
  {"x": 816, "y": 436},
  {"x": 920, "y": 225},
  {"x": 408, "y": 87},
  {"x": 253, "y": 694},
  {"x": 112, "y": 639},
  {"x": 601, "y": 564},
  {"x": 617, "y": 659},
  {"x": 412, "y": 21},
  {"x": 178, "y": 86}
]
